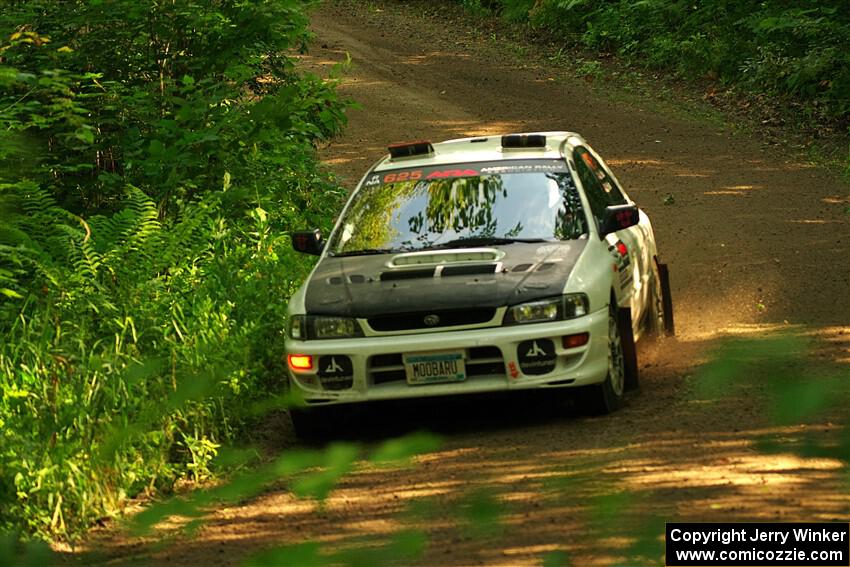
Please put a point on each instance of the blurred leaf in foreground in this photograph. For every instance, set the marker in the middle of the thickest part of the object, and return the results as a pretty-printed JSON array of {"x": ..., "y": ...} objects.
[
  {"x": 481, "y": 512},
  {"x": 405, "y": 448},
  {"x": 17, "y": 553}
]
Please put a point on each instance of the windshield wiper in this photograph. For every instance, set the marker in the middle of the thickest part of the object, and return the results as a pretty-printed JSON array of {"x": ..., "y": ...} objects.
[
  {"x": 470, "y": 241},
  {"x": 366, "y": 252},
  {"x": 474, "y": 241}
]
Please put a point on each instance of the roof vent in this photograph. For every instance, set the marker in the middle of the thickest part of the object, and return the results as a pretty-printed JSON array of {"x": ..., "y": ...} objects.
[
  {"x": 410, "y": 149},
  {"x": 524, "y": 141}
]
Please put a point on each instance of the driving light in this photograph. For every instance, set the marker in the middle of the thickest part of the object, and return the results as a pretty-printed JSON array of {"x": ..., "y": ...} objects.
[
  {"x": 552, "y": 309},
  {"x": 300, "y": 361}
]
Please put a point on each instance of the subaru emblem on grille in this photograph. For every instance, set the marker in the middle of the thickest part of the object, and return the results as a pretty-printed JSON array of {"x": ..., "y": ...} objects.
[{"x": 431, "y": 320}]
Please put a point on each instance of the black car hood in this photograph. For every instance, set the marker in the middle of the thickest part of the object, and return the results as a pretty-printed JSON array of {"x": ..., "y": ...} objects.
[{"x": 364, "y": 286}]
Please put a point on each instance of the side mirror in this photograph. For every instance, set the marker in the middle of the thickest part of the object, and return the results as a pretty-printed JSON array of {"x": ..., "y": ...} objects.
[
  {"x": 308, "y": 241},
  {"x": 618, "y": 217}
]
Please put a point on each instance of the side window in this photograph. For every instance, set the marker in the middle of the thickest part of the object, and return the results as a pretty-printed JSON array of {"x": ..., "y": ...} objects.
[{"x": 600, "y": 189}]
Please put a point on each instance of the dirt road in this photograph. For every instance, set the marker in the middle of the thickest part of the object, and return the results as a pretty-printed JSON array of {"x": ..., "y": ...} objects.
[{"x": 756, "y": 240}]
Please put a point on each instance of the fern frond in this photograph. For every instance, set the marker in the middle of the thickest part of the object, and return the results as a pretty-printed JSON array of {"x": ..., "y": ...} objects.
[
  {"x": 128, "y": 238},
  {"x": 79, "y": 251}
]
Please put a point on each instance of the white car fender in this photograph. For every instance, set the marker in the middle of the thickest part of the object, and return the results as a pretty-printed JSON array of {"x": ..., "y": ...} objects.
[{"x": 587, "y": 278}]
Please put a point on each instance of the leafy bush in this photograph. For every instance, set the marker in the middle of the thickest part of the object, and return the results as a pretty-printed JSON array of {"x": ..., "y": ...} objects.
[
  {"x": 153, "y": 158},
  {"x": 771, "y": 47}
]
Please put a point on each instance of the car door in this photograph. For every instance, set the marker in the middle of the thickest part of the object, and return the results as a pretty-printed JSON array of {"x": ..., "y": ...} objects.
[{"x": 626, "y": 246}]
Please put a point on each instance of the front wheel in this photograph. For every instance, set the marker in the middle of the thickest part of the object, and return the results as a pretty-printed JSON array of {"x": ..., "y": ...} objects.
[{"x": 608, "y": 396}]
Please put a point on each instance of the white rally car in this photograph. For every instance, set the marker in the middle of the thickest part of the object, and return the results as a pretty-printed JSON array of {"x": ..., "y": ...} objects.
[{"x": 477, "y": 265}]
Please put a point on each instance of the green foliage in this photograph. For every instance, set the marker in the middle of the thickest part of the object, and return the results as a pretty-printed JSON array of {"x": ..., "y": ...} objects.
[
  {"x": 401, "y": 549},
  {"x": 16, "y": 553},
  {"x": 771, "y": 47},
  {"x": 800, "y": 390},
  {"x": 400, "y": 450},
  {"x": 153, "y": 157},
  {"x": 479, "y": 8},
  {"x": 482, "y": 514}
]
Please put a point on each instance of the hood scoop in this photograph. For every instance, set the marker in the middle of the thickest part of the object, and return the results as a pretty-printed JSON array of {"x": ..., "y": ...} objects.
[
  {"x": 443, "y": 263},
  {"x": 450, "y": 256}
]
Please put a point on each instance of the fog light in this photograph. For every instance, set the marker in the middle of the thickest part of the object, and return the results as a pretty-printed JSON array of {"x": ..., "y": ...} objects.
[
  {"x": 573, "y": 341},
  {"x": 300, "y": 361}
]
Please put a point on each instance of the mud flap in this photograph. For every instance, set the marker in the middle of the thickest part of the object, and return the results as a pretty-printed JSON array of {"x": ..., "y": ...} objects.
[
  {"x": 632, "y": 381},
  {"x": 666, "y": 300}
]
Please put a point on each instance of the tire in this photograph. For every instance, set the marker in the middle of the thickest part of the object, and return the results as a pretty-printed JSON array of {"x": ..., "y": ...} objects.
[
  {"x": 627, "y": 337},
  {"x": 607, "y": 397}
]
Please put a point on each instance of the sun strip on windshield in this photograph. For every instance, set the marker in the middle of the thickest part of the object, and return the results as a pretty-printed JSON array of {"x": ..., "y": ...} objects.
[{"x": 449, "y": 171}]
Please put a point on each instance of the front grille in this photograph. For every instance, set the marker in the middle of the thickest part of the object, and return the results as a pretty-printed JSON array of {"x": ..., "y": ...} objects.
[
  {"x": 446, "y": 318},
  {"x": 480, "y": 361},
  {"x": 484, "y": 361}
]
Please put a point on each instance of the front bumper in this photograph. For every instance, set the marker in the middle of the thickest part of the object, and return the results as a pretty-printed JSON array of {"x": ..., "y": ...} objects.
[{"x": 491, "y": 357}]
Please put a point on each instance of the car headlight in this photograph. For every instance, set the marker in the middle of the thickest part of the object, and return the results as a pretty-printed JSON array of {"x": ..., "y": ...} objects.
[
  {"x": 558, "y": 308},
  {"x": 304, "y": 327}
]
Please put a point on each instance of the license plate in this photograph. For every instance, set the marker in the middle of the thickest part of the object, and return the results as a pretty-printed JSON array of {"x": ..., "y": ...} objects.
[{"x": 434, "y": 367}]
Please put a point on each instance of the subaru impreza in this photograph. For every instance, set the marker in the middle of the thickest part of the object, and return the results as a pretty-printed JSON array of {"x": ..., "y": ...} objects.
[{"x": 473, "y": 265}]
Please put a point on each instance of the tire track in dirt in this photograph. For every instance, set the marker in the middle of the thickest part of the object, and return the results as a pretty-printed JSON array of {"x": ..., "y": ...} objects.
[{"x": 754, "y": 238}]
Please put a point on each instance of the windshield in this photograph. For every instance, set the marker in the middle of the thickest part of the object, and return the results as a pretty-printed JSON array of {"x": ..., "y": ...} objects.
[{"x": 499, "y": 203}]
